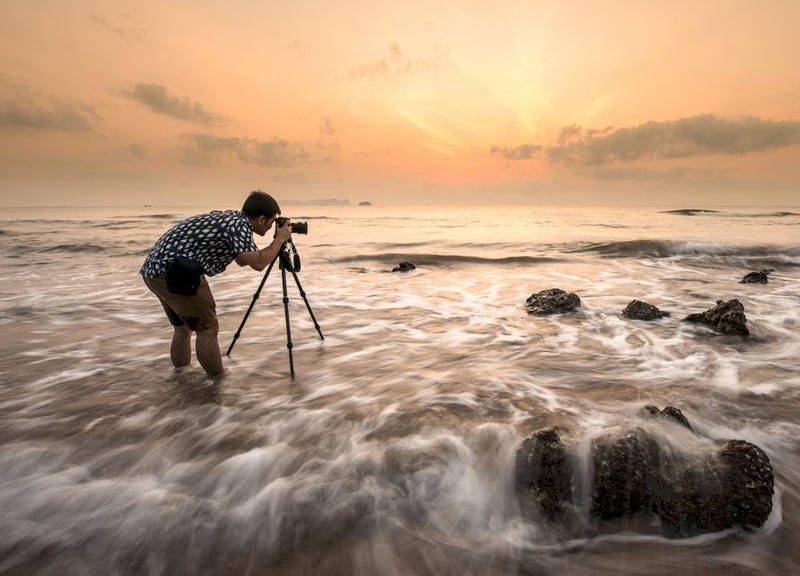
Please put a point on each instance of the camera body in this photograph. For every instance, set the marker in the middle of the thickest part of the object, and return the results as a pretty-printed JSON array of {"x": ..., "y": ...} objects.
[{"x": 297, "y": 227}]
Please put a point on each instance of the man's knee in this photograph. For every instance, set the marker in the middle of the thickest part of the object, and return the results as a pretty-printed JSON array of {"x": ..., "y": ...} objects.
[
  {"x": 182, "y": 331},
  {"x": 210, "y": 332}
]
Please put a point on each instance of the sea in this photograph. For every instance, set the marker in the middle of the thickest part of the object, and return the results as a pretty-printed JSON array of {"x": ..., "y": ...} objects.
[{"x": 391, "y": 451}]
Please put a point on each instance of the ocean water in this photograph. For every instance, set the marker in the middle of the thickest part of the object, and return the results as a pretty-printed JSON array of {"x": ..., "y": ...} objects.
[{"x": 392, "y": 451}]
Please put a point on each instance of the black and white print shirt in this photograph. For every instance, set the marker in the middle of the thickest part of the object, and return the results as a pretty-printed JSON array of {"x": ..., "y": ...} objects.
[{"x": 213, "y": 239}]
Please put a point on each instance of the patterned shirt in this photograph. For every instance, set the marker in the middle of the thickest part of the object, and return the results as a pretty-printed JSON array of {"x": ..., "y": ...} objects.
[{"x": 213, "y": 239}]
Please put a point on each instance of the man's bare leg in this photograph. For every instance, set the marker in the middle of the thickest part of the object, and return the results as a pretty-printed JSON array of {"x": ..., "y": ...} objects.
[
  {"x": 207, "y": 348},
  {"x": 181, "y": 349}
]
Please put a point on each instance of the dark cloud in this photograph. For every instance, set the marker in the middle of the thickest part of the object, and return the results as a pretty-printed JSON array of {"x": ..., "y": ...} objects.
[
  {"x": 157, "y": 99},
  {"x": 523, "y": 152},
  {"x": 683, "y": 138},
  {"x": 205, "y": 149},
  {"x": 396, "y": 63},
  {"x": 48, "y": 114}
]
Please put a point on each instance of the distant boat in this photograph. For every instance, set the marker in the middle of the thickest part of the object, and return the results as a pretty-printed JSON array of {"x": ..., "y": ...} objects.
[{"x": 365, "y": 203}]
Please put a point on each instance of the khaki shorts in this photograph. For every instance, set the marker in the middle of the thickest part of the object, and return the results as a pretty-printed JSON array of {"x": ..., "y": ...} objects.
[{"x": 197, "y": 312}]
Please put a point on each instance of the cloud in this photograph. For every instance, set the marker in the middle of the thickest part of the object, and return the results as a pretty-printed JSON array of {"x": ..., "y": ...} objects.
[
  {"x": 683, "y": 138},
  {"x": 156, "y": 98},
  {"x": 278, "y": 152},
  {"x": 369, "y": 71},
  {"x": 523, "y": 152},
  {"x": 50, "y": 114},
  {"x": 127, "y": 34},
  {"x": 205, "y": 149},
  {"x": 396, "y": 63},
  {"x": 327, "y": 127},
  {"x": 137, "y": 151},
  {"x": 644, "y": 174}
]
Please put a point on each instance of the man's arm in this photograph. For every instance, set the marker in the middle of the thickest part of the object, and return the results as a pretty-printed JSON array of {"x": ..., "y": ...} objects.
[{"x": 260, "y": 259}]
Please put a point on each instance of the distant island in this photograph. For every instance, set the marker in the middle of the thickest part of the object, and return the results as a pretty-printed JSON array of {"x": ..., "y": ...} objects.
[
  {"x": 365, "y": 203},
  {"x": 318, "y": 202}
]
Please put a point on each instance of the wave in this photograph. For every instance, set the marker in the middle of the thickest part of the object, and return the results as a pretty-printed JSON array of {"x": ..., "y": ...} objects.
[
  {"x": 720, "y": 213},
  {"x": 668, "y": 248},
  {"x": 443, "y": 259},
  {"x": 117, "y": 224},
  {"x": 75, "y": 248}
]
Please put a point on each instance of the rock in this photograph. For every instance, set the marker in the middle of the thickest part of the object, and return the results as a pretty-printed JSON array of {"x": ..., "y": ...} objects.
[
  {"x": 749, "y": 481},
  {"x": 757, "y": 277},
  {"x": 638, "y": 310},
  {"x": 624, "y": 474},
  {"x": 365, "y": 203},
  {"x": 650, "y": 410},
  {"x": 735, "y": 489},
  {"x": 726, "y": 318},
  {"x": 552, "y": 301},
  {"x": 543, "y": 474},
  {"x": 675, "y": 414},
  {"x": 693, "y": 500},
  {"x": 636, "y": 478},
  {"x": 403, "y": 267},
  {"x": 669, "y": 413}
]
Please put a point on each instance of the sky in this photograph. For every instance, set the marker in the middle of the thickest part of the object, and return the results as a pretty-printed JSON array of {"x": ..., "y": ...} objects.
[{"x": 119, "y": 102}]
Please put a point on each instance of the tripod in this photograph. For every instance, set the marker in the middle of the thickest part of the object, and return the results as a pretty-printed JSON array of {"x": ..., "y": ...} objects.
[{"x": 285, "y": 263}]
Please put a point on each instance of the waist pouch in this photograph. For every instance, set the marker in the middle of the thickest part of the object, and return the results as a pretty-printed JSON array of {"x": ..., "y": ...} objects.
[{"x": 183, "y": 276}]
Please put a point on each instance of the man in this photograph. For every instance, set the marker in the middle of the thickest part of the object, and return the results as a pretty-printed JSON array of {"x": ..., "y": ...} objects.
[{"x": 204, "y": 245}]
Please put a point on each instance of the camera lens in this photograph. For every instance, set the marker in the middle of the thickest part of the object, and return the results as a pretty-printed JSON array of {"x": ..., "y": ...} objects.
[{"x": 299, "y": 227}]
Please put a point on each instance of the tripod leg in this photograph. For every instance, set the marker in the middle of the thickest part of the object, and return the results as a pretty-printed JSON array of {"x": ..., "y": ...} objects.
[
  {"x": 250, "y": 308},
  {"x": 308, "y": 306},
  {"x": 286, "y": 315}
]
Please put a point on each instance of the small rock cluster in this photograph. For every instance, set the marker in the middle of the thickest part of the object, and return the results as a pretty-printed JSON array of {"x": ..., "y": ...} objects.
[{"x": 725, "y": 317}]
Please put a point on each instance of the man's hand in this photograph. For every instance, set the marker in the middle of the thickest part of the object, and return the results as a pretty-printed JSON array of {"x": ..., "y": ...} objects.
[{"x": 283, "y": 233}]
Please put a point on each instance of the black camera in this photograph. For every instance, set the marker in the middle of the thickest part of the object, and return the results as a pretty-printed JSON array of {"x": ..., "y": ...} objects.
[{"x": 297, "y": 227}]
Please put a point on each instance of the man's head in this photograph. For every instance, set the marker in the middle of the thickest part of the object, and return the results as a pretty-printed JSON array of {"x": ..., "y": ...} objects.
[{"x": 261, "y": 209}]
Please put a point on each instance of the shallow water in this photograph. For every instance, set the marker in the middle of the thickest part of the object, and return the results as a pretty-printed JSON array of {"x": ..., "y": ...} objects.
[{"x": 392, "y": 450}]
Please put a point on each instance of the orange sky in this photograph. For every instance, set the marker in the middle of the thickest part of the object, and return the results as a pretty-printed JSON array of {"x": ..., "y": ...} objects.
[{"x": 123, "y": 102}]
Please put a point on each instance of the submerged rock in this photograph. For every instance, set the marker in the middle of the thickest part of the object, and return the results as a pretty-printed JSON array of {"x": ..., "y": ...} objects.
[
  {"x": 749, "y": 480},
  {"x": 552, "y": 301},
  {"x": 726, "y": 318},
  {"x": 735, "y": 488},
  {"x": 757, "y": 277},
  {"x": 638, "y": 310},
  {"x": 404, "y": 267},
  {"x": 634, "y": 477},
  {"x": 543, "y": 474},
  {"x": 624, "y": 474}
]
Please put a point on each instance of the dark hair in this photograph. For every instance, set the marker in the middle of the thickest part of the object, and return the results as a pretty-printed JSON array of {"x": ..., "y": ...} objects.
[{"x": 260, "y": 204}]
